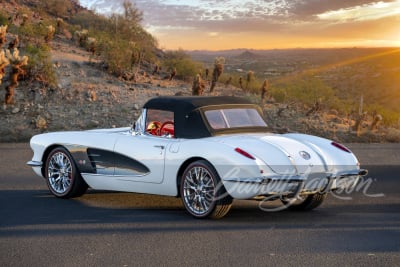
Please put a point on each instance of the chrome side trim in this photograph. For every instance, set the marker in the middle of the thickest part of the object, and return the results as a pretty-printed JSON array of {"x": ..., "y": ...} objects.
[
  {"x": 35, "y": 163},
  {"x": 265, "y": 180}
]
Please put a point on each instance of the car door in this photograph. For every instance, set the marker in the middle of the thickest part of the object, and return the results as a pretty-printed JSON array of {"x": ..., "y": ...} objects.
[{"x": 146, "y": 155}]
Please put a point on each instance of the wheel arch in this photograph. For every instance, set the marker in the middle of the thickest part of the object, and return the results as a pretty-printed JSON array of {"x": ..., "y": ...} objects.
[
  {"x": 46, "y": 154},
  {"x": 182, "y": 169}
]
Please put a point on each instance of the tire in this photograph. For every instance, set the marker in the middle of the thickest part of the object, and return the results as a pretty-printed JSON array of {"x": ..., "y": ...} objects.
[
  {"x": 202, "y": 192},
  {"x": 62, "y": 177},
  {"x": 307, "y": 203}
]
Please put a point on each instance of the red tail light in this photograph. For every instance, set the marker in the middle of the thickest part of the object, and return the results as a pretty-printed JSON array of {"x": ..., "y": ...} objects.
[
  {"x": 244, "y": 153},
  {"x": 341, "y": 147}
]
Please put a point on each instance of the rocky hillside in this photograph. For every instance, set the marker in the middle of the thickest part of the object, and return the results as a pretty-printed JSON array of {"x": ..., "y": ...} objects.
[{"x": 87, "y": 97}]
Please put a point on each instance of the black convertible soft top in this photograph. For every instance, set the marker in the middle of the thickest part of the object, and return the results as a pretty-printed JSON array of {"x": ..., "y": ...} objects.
[
  {"x": 186, "y": 104},
  {"x": 188, "y": 118}
]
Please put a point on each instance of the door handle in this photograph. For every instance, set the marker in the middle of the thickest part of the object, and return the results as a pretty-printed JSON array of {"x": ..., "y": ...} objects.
[{"x": 160, "y": 146}]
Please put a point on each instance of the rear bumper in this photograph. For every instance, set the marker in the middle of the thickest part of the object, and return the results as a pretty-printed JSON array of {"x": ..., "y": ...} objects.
[{"x": 287, "y": 185}]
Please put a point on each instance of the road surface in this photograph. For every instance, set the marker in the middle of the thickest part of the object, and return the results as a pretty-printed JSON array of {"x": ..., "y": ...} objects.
[{"x": 122, "y": 229}]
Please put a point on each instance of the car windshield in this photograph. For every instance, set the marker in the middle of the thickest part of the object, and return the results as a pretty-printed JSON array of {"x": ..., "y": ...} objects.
[{"x": 234, "y": 118}]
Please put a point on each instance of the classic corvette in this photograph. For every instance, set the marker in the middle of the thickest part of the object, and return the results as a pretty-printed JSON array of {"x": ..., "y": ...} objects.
[{"x": 205, "y": 150}]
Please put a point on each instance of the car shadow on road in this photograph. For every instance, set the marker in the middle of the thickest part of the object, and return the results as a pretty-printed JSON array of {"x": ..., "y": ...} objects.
[{"x": 36, "y": 212}]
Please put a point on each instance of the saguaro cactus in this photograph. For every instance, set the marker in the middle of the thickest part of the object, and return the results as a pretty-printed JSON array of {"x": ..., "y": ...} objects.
[{"x": 17, "y": 63}]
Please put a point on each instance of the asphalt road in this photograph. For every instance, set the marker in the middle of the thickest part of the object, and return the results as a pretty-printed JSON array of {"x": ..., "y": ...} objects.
[{"x": 120, "y": 229}]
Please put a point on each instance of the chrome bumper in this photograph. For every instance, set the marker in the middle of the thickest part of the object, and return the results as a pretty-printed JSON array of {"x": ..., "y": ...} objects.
[
  {"x": 294, "y": 178},
  {"x": 34, "y": 163},
  {"x": 293, "y": 184}
]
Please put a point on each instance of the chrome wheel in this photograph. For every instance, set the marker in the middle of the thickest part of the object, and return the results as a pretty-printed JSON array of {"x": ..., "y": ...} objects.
[
  {"x": 59, "y": 173},
  {"x": 62, "y": 176},
  {"x": 201, "y": 193},
  {"x": 198, "y": 190}
]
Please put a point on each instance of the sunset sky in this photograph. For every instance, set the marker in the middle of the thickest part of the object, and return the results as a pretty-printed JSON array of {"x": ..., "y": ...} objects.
[{"x": 257, "y": 24}]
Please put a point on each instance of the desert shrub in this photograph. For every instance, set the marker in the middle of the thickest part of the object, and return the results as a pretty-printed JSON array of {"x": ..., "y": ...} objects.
[
  {"x": 58, "y": 8},
  {"x": 3, "y": 18},
  {"x": 31, "y": 32},
  {"x": 390, "y": 117},
  {"x": 393, "y": 135},
  {"x": 117, "y": 54},
  {"x": 183, "y": 63},
  {"x": 89, "y": 20},
  {"x": 279, "y": 94},
  {"x": 39, "y": 66}
]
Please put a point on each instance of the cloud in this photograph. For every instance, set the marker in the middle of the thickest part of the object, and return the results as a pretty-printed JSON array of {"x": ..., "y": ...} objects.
[
  {"x": 268, "y": 22},
  {"x": 372, "y": 11}
]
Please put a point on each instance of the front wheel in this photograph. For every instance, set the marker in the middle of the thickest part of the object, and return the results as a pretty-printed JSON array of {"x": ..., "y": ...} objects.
[
  {"x": 305, "y": 203},
  {"x": 202, "y": 192},
  {"x": 62, "y": 177}
]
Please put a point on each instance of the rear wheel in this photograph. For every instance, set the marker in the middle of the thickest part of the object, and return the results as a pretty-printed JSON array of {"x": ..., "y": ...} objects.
[
  {"x": 202, "y": 192},
  {"x": 62, "y": 177},
  {"x": 305, "y": 203}
]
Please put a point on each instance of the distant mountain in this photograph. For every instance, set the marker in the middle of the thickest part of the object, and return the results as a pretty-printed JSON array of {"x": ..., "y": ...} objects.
[{"x": 247, "y": 55}]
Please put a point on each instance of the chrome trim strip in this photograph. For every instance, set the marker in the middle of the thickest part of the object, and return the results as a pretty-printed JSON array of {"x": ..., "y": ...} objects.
[
  {"x": 295, "y": 178},
  {"x": 265, "y": 180},
  {"x": 112, "y": 175},
  {"x": 33, "y": 163}
]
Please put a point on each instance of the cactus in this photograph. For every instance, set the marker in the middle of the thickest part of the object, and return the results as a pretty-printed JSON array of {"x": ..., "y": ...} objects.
[
  {"x": 50, "y": 33},
  {"x": 3, "y": 64},
  {"x": 60, "y": 25},
  {"x": 17, "y": 63},
  {"x": 3, "y": 31},
  {"x": 198, "y": 85},
  {"x": 241, "y": 82},
  {"x": 249, "y": 78},
  {"x": 172, "y": 74},
  {"x": 264, "y": 89},
  {"x": 218, "y": 70},
  {"x": 375, "y": 123},
  {"x": 81, "y": 37},
  {"x": 91, "y": 45}
]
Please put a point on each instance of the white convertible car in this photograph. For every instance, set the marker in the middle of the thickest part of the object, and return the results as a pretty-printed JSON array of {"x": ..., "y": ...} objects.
[{"x": 205, "y": 150}]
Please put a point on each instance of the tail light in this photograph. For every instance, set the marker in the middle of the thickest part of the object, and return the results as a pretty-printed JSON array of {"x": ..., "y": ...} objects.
[
  {"x": 341, "y": 147},
  {"x": 244, "y": 153}
]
